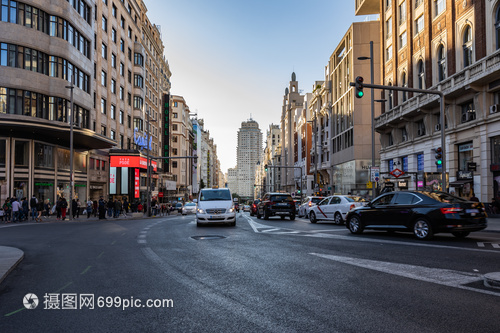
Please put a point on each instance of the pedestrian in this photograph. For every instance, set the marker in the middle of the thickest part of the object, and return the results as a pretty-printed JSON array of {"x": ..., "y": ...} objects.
[
  {"x": 47, "y": 207},
  {"x": 16, "y": 208},
  {"x": 7, "y": 208},
  {"x": 89, "y": 208},
  {"x": 139, "y": 207},
  {"x": 25, "y": 211},
  {"x": 110, "y": 207},
  {"x": 102, "y": 209},
  {"x": 39, "y": 210},
  {"x": 33, "y": 206},
  {"x": 126, "y": 205},
  {"x": 64, "y": 206},
  {"x": 2, "y": 214},
  {"x": 95, "y": 207},
  {"x": 117, "y": 207},
  {"x": 74, "y": 208},
  {"x": 58, "y": 208},
  {"x": 78, "y": 206}
]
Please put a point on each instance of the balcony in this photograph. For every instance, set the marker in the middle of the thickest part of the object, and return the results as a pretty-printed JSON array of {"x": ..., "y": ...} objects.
[
  {"x": 367, "y": 7},
  {"x": 480, "y": 73}
]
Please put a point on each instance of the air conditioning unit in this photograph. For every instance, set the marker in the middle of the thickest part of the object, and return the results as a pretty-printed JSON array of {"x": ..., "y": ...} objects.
[
  {"x": 494, "y": 108},
  {"x": 437, "y": 127}
]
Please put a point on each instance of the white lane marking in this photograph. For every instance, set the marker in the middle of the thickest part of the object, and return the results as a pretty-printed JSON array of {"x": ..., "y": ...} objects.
[
  {"x": 496, "y": 246},
  {"x": 268, "y": 230},
  {"x": 480, "y": 244},
  {"x": 444, "y": 277}
]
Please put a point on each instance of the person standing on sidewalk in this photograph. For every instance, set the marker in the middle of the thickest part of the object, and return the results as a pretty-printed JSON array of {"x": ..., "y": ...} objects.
[
  {"x": 39, "y": 209},
  {"x": 64, "y": 206},
  {"x": 58, "y": 208},
  {"x": 89, "y": 208},
  {"x": 102, "y": 209},
  {"x": 47, "y": 207},
  {"x": 33, "y": 206},
  {"x": 7, "y": 208},
  {"x": 74, "y": 208},
  {"x": 16, "y": 207},
  {"x": 24, "y": 213}
]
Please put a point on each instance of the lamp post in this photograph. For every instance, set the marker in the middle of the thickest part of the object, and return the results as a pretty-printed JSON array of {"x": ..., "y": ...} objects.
[
  {"x": 71, "y": 180},
  {"x": 372, "y": 108}
]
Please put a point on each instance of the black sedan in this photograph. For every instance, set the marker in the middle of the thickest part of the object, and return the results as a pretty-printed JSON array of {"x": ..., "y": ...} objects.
[{"x": 423, "y": 213}]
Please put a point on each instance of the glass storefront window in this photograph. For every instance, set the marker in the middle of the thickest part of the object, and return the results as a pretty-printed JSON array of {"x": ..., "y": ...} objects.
[
  {"x": 80, "y": 193},
  {"x": 44, "y": 156},
  {"x": 21, "y": 188},
  {"x": 21, "y": 156},
  {"x": 465, "y": 152},
  {"x": 44, "y": 189},
  {"x": 63, "y": 159},
  {"x": 2, "y": 152}
]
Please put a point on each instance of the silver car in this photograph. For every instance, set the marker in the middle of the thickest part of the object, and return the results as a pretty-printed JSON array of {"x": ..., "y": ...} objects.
[
  {"x": 306, "y": 205},
  {"x": 189, "y": 208}
]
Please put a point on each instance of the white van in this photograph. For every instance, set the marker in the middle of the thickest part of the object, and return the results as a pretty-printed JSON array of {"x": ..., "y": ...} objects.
[{"x": 215, "y": 205}]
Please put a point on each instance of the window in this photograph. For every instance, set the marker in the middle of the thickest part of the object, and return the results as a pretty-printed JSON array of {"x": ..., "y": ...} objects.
[
  {"x": 467, "y": 46},
  {"x": 388, "y": 53},
  {"x": 420, "y": 127},
  {"x": 104, "y": 51},
  {"x": 104, "y": 23},
  {"x": 138, "y": 102},
  {"x": 468, "y": 112},
  {"x": 113, "y": 11},
  {"x": 122, "y": 114},
  {"x": 113, "y": 111},
  {"x": 441, "y": 63},
  {"x": 175, "y": 115},
  {"x": 122, "y": 69},
  {"x": 122, "y": 22},
  {"x": 174, "y": 127},
  {"x": 122, "y": 45},
  {"x": 122, "y": 93},
  {"x": 113, "y": 86},
  {"x": 129, "y": 33},
  {"x": 388, "y": 3},
  {"x": 138, "y": 81},
  {"x": 402, "y": 40},
  {"x": 103, "y": 130},
  {"x": 497, "y": 27},
  {"x": 103, "y": 106},
  {"x": 402, "y": 12},
  {"x": 388, "y": 27},
  {"x": 419, "y": 24},
  {"x": 113, "y": 60},
  {"x": 104, "y": 78},
  {"x": 440, "y": 6},
  {"x": 421, "y": 74},
  {"x": 113, "y": 135},
  {"x": 138, "y": 59},
  {"x": 113, "y": 35}
]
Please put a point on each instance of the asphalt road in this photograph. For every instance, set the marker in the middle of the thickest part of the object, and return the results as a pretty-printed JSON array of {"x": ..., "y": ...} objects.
[{"x": 260, "y": 276}]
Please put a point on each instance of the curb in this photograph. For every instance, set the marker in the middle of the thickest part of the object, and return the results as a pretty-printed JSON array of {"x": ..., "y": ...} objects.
[{"x": 13, "y": 258}]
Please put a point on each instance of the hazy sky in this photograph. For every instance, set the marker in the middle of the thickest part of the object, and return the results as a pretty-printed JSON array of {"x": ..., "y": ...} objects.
[{"x": 232, "y": 59}]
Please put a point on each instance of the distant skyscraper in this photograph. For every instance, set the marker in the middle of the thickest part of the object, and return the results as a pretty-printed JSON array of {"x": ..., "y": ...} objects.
[{"x": 249, "y": 152}]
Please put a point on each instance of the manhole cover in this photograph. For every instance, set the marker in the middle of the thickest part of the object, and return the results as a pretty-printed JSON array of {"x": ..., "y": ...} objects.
[{"x": 207, "y": 237}]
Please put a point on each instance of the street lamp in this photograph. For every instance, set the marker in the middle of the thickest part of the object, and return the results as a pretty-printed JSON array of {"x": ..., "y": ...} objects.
[
  {"x": 71, "y": 180},
  {"x": 372, "y": 108}
]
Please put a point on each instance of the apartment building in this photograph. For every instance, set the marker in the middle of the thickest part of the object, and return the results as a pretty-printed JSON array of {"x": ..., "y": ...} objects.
[
  {"x": 248, "y": 154},
  {"x": 450, "y": 46},
  {"x": 271, "y": 179}
]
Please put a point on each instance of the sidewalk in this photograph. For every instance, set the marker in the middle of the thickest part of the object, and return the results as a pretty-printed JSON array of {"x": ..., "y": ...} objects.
[{"x": 10, "y": 256}]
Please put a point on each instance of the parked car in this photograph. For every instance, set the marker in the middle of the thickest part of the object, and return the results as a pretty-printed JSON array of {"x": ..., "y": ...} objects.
[
  {"x": 253, "y": 207},
  {"x": 178, "y": 207},
  {"x": 333, "y": 208},
  {"x": 246, "y": 208},
  {"x": 215, "y": 205},
  {"x": 280, "y": 204},
  {"x": 421, "y": 212},
  {"x": 306, "y": 205},
  {"x": 189, "y": 208}
]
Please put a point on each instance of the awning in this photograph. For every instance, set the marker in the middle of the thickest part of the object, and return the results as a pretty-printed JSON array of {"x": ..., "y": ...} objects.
[{"x": 460, "y": 183}]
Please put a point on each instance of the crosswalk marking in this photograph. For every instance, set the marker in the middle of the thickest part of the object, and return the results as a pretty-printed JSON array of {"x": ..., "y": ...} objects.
[{"x": 483, "y": 244}]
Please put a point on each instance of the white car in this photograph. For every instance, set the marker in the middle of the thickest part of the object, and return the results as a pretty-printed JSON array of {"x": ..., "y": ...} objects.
[
  {"x": 334, "y": 208},
  {"x": 189, "y": 208},
  {"x": 306, "y": 205},
  {"x": 215, "y": 205}
]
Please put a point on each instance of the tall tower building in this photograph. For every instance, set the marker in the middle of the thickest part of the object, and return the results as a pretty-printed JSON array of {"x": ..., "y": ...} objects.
[{"x": 248, "y": 153}]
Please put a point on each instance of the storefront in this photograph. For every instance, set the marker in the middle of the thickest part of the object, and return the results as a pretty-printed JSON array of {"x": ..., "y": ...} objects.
[{"x": 352, "y": 177}]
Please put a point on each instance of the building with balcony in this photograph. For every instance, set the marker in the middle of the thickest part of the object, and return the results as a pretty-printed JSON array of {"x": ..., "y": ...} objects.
[{"x": 453, "y": 47}]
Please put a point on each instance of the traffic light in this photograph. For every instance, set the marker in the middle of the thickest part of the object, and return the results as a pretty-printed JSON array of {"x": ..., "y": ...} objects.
[
  {"x": 265, "y": 167},
  {"x": 298, "y": 191},
  {"x": 439, "y": 156},
  {"x": 359, "y": 87}
]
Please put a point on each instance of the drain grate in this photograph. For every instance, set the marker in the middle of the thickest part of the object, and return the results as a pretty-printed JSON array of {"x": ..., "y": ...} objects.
[{"x": 207, "y": 237}]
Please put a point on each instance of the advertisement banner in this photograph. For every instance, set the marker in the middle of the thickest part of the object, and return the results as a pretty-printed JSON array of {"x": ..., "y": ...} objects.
[
  {"x": 112, "y": 180},
  {"x": 130, "y": 162},
  {"x": 137, "y": 183}
]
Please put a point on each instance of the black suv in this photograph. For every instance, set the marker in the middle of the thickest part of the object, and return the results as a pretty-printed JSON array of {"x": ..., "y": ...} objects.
[{"x": 280, "y": 204}]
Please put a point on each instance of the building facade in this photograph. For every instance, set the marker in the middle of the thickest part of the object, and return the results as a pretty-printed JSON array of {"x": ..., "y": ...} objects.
[
  {"x": 248, "y": 154},
  {"x": 450, "y": 46}
]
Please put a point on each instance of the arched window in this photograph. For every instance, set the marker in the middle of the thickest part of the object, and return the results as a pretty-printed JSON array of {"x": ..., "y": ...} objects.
[
  {"x": 467, "y": 46},
  {"x": 404, "y": 83},
  {"x": 497, "y": 26},
  {"x": 421, "y": 74},
  {"x": 441, "y": 55}
]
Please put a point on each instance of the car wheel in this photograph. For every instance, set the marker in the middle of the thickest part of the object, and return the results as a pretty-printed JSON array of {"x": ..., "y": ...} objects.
[
  {"x": 258, "y": 215},
  {"x": 460, "y": 234},
  {"x": 266, "y": 214},
  {"x": 282, "y": 217},
  {"x": 422, "y": 229},
  {"x": 338, "y": 219},
  {"x": 354, "y": 225},
  {"x": 292, "y": 217},
  {"x": 312, "y": 217},
  {"x": 232, "y": 224},
  {"x": 198, "y": 224}
]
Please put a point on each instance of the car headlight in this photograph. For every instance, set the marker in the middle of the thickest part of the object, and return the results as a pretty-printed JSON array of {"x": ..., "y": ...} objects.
[
  {"x": 200, "y": 211},
  {"x": 231, "y": 210}
]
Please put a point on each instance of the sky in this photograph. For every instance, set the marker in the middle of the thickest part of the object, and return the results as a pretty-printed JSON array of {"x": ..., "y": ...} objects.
[{"x": 231, "y": 60}]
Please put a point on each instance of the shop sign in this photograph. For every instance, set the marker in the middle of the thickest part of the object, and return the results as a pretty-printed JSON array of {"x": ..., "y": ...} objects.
[
  {"x": 465, "y": 175},
  {"x": 160, "y": 194},
  {"x": 80, "y": 185},
  {"x": 131, "y": 162},
  {"x": 402, "y": 183},
  {"x": 137, "y": 182},
  {"x": 494, "y": 167},
  {"x": 389, "y": 184},
  {"x": 471, "y": 166},
  {"x": 96, "y": 187},
  {"x": 465, "y": 147},
  {"x": 44, "y": 184}
]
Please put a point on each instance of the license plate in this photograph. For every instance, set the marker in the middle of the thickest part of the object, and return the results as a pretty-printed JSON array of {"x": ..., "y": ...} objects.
[
  {"x": 281, "y": 204},
  {"x": 281, "y": 213},
  {"x": 472, "y": 211}
]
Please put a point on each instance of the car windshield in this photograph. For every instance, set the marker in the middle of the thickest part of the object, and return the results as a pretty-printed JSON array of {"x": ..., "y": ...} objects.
[
  {"x": 316, "y": 200},
  {"x": 215, "y": 195},
  {"x": 190, "y": 204}
]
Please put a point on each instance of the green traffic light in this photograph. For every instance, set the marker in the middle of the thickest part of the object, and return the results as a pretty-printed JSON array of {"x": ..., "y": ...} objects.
[
  {"x": 360, "y": 94},
  {"x": 439, "y": 162}
]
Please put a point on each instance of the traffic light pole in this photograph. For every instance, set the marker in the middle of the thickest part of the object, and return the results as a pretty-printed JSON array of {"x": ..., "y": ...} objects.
[{"x": 441, "y": 111}]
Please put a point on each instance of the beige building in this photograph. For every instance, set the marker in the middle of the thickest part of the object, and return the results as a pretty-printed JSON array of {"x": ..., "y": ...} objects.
[
  {"x": 270, "y": 180},
  {"x": 248, "y": 154},
  {"x": 452, "y": 47}
]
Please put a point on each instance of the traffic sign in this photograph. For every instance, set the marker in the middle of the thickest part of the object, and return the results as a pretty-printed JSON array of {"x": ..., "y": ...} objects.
[
  {"x": 369, "y": 185},
  {"x": 375, "y": 174},
  {"x": 397, "y": 173}
]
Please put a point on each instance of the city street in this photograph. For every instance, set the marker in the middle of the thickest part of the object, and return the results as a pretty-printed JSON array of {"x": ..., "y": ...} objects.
[{"x": 260, "y": 276}]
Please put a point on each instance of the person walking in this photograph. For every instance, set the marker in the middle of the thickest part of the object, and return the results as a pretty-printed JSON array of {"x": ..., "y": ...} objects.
[
  {"x": 117, "y": 207},
  {"x": 39, "y": 210},
  {"x": 58, "y": 208},
  {"x": 64, "y": 206},
  {"x": 110, "y": 205},
  {"x": 74, "y": 208},
  {"x": 7, "y": 208},
  {"x": 90, "y": 205},
  {"x": 95, "y": 207},
  {"x": 47, "y": 206},
  {"x": 25, "y": 211},
  {"x": 102, "y": 209},
  {"x": 33, "y": 206},
  {"x": 126, "y": 206},
  {"x": 16, "y": 208}
]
